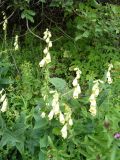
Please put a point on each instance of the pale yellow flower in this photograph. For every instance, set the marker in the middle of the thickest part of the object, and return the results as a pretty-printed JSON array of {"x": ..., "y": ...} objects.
[
  {"x": 47, "y": 40},
  {"x": 1, "y": 91},
  {"x": 51, "y": 114},
  {"x": 93, "y": 110},
  {"x": 50, "y": 44},
  {"x": 61, "y": 118},
  {"x": 42, "y": 62},
  {"x": 56, "y": 108},
  {"x": 64, "y": 131},
  {"x": 108, "y": 75},
  {"x": 70, "y": 122},
  {"x": 77, "y": 89},
  {"x": 75, "y": 82},
  {"x": 76, "y": 92},
  {"x": 93, "y": 103},
  {"x": 43, "y": 114},
  {"x": 2, "y": 98},
  {"x": 48, "y": 58},
  {"x": 45, "y": 51},
  {"x": 4, "y": 105}
]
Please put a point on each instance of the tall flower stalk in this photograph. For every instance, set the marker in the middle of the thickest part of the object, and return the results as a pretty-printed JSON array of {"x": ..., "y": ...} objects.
[
  {"x": 77, "y": 88},
  {"x": 47, "y": 58},
  {"x": 43, "y": 63},
  {"x": 93, "y": 97}
]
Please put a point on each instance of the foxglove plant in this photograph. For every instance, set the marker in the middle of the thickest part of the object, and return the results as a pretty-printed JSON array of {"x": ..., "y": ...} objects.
[
  {"x": 94, "y": 95},
  {"x": 67, "y": 121},
  {"x": 55, "y": 112},
  {"x": 47, "y": 58},
  {"x": 77, "y": 89}
]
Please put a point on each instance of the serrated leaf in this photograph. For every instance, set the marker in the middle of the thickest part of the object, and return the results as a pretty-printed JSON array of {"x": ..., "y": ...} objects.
[
  {"x": 39, "y": 121},
  {"x": 30, "y": 12},
  {"x": 43, "y": 141},
  {"x": 42, "y": 156},
  {"x": 59, "y": 83}
]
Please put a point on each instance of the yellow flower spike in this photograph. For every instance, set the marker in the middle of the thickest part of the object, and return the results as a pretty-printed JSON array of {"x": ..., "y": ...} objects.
[
  {"x": 108, "y": 75},
  {"x": 47, "y": 58},
  {"x": 77, "y": 89}
]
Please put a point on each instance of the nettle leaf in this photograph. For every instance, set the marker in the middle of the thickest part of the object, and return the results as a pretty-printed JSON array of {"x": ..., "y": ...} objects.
[
  {"x": 59, "y": 83},
  {"x": 85, "y": 35},
  {"x": 8, "y": 138},
  {"x": 39, "y": 121},
  {"x": 15, "y": 137},
  {"x": 43, "y": 141},
  {"x": 28, "y": 14},
  {"x": 42, "y": 156}
]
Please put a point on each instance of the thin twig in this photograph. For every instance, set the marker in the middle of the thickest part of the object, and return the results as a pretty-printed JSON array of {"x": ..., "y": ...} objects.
[
  {"x": 32, "y": 32},
  {"x": 8, "y": 17}
]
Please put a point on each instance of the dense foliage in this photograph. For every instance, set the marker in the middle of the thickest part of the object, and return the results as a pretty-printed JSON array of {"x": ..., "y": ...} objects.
[{"x": 75, "y": 63}]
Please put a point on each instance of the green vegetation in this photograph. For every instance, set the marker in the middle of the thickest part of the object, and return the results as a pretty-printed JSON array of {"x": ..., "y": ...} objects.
[{"x": 60, "y": 80}]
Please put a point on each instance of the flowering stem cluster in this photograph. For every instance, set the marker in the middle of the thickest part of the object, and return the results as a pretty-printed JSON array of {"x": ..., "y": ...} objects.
[
  {"x": 47, "y": 58},
  {"x": 67, "y": 121},
  {"x": 3, "y": 101},
  {"x": 64, "y": 118},
  {"x": 94, "y": 95},
  {"x": 96, "y": 90},
  {"x": 77, "y": 89},
  {"x": 55, "y": 105}
]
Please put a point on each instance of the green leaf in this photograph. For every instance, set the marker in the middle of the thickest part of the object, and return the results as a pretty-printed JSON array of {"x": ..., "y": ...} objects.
[
  {"x": 43, "y": 1},
  {"x": 50, "y": 142},
  {"x": 42, "y": 156},
  {"x": 59, "y": 83},
  {"x": 39, "y": 121},
  {"x": 6, "y": 81},
  {"x": 30, "y": 12},
  {"x": 56, "y": 131},
  {"x": 43, "y": 141},
  {"x": 85, "y": 34},
  {"x": 8, "y": 138}
]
